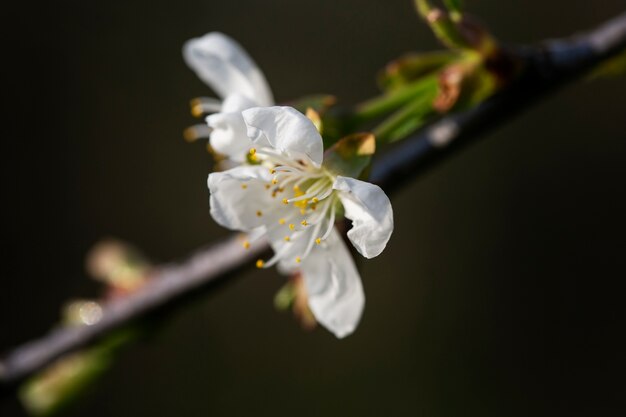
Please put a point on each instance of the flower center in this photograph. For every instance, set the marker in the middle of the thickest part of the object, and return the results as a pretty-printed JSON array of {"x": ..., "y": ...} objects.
[{"x": 305, "y": 202}]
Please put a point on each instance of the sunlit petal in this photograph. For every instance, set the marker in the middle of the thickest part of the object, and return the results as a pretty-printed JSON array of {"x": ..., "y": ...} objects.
[
  {"x": 287, "y": 130},
  {"x": 369, "y": 208},
  {"x": 225, "y": 66},
  {"x": 334, "y": 287}
]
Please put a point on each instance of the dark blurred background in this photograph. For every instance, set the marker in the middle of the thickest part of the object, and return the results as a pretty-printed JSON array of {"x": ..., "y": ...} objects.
[{"x": 499, "y": 294}]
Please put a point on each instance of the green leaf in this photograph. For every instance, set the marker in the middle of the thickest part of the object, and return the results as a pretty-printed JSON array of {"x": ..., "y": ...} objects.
[
  {"x": 613, "y": 67},
  {"x": 285, "y": 297},
  {"x": 57, "y": 387},
  {"x": 410, "y": 67},
  {"x": 453, "y": 5},
  {"x": 351, "y": 154},
  {"x": 392, "y": 101},
  {"x": 409, "y": 118}
]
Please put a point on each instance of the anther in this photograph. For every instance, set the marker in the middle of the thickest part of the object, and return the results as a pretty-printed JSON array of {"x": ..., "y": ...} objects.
[
  {"x": 285, "y": 201},
  {"x": 267, "y": 186},
  {"x": 259, "y": 213},
  {"x": 287, "y": 238},
  {"x": 292, "y": 226},
  {"x": 303, "y": 223},
  {"x": 246, "y": 244},
  {"x": 244, "y": 186},
  {"x": 281, "y": 221},
  {"x": 302, "y": 211},
  {"x": 252, "y": 151},
  {"x": 272, "y": 171},
  {"x": 260, "y": 263},
  {"x": 298, "y": 260},
  {"x": 318, "y": 240},
  {"x": 274, "y": 180},
  {"x": 315, "y": 200}
]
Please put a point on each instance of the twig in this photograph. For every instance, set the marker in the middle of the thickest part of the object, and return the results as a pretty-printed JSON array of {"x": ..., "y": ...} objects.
[{"x": 547, "y": 68}]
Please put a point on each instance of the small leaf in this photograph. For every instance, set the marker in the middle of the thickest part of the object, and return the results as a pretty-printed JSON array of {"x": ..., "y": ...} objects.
[
  {"x": 409, "y": 118},
  {"x": 613, "y": 67},
  {"x": 453, "y": 5},
  {"x": 410, "y": 67},
  {"x": 462, "y": 86},
  {"x": 285, "y": 296},
  {"x": 351, "y": 154},
  {"x": 57, "y": 387}
]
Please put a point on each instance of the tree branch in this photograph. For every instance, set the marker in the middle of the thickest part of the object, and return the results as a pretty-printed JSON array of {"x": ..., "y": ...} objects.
[{"x": 547, "y": 67}]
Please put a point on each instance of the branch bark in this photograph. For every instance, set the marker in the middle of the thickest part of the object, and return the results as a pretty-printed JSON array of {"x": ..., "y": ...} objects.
[{"x": 547, "y": 68}]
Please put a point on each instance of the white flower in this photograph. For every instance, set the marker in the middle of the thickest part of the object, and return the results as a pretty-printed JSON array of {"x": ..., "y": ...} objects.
[
  {"x": 225, "y": 66},
  {"x": 293, "y": 199}
]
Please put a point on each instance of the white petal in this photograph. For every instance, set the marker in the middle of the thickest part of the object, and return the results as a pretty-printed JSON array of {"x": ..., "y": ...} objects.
[
  {"x": 369, "y": 208},
  {"x": 287, "y": 130},
  {"x": 236, "y": 103},
  {"x": 228, "y": 135},
  {"x": 225, "y": 66},
  {"x": 236, "y": 207},
  {"x": 334, "y": 287},
  {"x": 301, "y": 241}
]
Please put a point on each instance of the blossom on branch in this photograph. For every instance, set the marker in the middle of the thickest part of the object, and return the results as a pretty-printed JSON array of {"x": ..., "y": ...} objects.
[
  {"x": 292, "y": 194},
  {"x": 225, "y": 66}
]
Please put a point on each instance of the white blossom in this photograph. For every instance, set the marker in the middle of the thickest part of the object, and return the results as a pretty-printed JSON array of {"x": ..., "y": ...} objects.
[
  {"x": 225, "y": 66},
  {"x": 293, "y": 199}
]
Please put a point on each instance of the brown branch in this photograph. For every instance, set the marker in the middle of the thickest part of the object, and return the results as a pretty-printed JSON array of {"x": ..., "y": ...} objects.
[{"x": 548, "y": 67}]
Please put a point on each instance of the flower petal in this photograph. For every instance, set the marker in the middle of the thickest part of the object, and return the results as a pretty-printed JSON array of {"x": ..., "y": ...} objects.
[
  {"x": 239, "y": 199},
  {"x": 228, "y": 136},
  {"x": 369, "y": 208},
  {"x": 287, "y": 130},
  {"x": 237, "y": 103},
  {"x": 334, "y": 287},
  {"x": 301, "y": 242},
  {"x": 225, "y": 66}
]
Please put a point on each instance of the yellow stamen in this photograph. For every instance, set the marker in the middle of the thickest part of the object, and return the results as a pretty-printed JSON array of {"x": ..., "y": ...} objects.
[
  {"x": 318, "y": 240},
  {"x": 287, "y": 238},
  {"x": 246, "y": 244},
  {"x": 296, "y": 188},
  {"x": 302, "y": 211},
  {"x": 315, "y": 200},
  {"x": 252, "y": 151},
  {"x": 301, "y": 203},
  {"x": 272, "y": 171},
  {"x": 244, "y": 186},
  {"x": 267, "y": 186},
  {"x": 281, "y": 221},
  {"x": 298, "y": 260},
  {"x": 260, "y": 263},
  {"x": 285, "y": 201},
  {"x": 303, "y": 223},
  {"x": 292, "y": 226},
  {"x": 274, "y": 180},
  {"x": 259, "y": 213}
]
